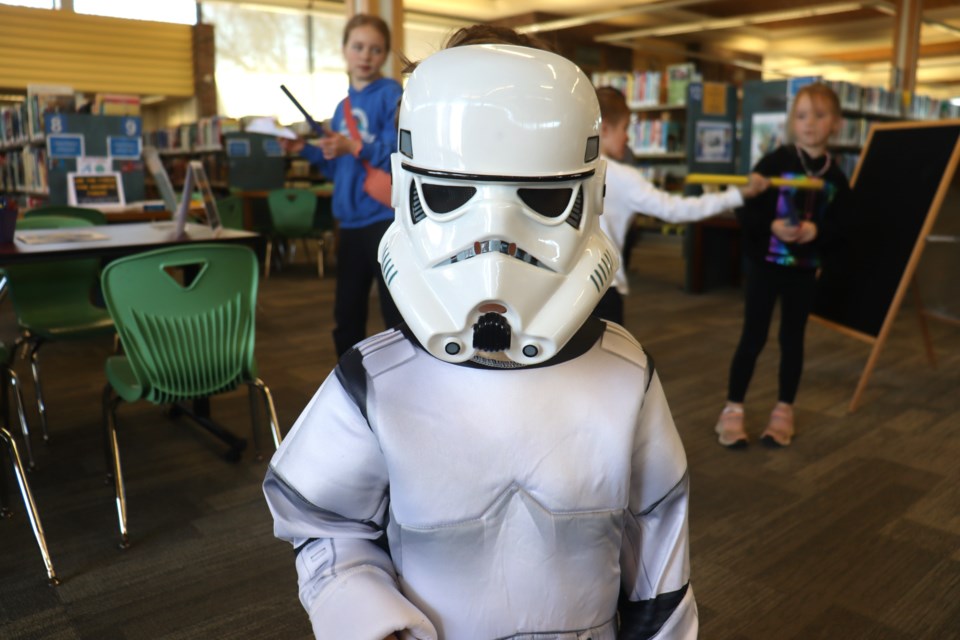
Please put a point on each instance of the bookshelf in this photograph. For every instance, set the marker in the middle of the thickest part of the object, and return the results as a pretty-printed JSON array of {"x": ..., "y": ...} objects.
[
  {"x": 234, "y": 159},
  {"x": 712, "y": 249},
  {"x": 53, "y": 130},
  {"x": 765, "y": 105}
]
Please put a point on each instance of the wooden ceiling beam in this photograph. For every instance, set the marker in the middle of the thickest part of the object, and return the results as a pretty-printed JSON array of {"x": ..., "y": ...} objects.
[{"x": 884, "y": 54}]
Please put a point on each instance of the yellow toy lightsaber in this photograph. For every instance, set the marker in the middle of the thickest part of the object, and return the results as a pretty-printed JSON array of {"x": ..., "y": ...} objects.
[{"x": 718, "y": 178}]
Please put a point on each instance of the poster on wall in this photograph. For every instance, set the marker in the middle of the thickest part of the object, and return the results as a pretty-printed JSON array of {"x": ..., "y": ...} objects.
[
  {"x": 767, "y": 132},
  {"x": 88, "y": 165},
  {"x": 795, "y": 84},
  {"x": 714, "y": 142},
  {"x": 714, "y": 99},
  {"x": 125, "y": 147},
  {"x": 65, "y": 145}
]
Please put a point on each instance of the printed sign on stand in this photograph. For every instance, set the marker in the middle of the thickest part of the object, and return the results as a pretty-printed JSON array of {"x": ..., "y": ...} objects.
[{"x": 94, "y": 189}]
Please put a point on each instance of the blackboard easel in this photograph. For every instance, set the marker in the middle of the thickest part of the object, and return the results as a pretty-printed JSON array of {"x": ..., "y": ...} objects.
[{"x": 899, "y": 187}]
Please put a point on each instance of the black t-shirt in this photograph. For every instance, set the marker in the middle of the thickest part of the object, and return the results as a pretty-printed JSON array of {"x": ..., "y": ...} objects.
[{"x": 827, "y": 208}]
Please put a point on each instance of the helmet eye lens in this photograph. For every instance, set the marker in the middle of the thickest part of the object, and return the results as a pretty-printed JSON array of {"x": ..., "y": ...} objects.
[
  {"x": 443, "y": 198},
  {"x": 550, "y": 203}
]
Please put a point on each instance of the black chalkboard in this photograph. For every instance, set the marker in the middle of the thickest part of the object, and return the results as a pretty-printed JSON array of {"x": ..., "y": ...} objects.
[{"x": 899, "y": 185}]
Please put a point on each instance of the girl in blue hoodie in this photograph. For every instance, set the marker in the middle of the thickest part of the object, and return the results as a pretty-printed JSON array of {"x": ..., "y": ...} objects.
[{"x": 339, "y": 156}]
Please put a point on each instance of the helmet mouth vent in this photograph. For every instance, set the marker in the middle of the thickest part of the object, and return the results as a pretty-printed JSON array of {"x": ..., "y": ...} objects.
[
  {"x": 491, "y": 333},
  {"x": 494, "y": 246}
]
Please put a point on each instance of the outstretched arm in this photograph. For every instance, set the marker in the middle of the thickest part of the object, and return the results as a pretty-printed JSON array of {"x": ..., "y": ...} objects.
[{"x": 644, "y": 197}]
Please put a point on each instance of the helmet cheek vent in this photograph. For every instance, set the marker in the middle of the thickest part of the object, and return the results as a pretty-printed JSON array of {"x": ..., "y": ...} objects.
[
  {"x": 576, "y": 213},
  {"x": 416, "y": 209}
]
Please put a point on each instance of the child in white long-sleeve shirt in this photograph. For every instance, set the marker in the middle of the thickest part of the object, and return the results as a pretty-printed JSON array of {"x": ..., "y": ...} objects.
[{"x": 629, "y": 193}]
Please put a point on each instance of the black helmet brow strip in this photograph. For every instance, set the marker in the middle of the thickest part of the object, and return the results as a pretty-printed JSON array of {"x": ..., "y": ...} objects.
[{"x": 475, "y": 177}]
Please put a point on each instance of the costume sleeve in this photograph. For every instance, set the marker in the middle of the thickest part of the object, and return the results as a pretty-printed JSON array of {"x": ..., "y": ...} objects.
[
  {"x": 314, "y": 155},
  {"x": 657, "y": 600},
  {"x": 378, "y": 152},
  {"x": 645, "y": 198},
  {"x": 328, "y": 492}
]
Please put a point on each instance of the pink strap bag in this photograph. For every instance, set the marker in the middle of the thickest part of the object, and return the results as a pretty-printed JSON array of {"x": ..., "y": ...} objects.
[{"x": 377, "y": 184}]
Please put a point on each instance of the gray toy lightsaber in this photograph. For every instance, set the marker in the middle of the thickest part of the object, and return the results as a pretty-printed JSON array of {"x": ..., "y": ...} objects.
[{"x": 316, "y": 126}]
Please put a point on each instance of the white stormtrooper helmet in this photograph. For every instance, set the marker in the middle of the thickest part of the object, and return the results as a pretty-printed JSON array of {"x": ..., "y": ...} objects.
[{"x": 497, "y": 187}]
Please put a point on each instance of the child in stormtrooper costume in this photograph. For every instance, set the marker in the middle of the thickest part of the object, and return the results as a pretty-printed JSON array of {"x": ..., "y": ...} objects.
[{"x": 502, "y": 466}]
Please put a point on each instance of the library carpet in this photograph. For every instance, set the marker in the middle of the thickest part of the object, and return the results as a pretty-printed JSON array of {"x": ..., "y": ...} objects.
[{"x": 853, "y": 532}]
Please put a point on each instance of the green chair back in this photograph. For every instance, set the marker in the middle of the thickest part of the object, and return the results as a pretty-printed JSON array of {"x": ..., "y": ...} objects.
[
  {"x": 231, "y": 212},
  {"x": 53, "y": 299},
  {"x": 292, "y": 212},
  {"x": 91, "y": 215},
  {"x": 182, "y": 341}
]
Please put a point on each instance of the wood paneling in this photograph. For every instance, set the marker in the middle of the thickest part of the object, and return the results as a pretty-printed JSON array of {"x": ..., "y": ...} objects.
[{"x": 95, "y": 54}]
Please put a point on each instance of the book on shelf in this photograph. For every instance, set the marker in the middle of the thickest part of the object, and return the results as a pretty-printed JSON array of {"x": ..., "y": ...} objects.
[
  {"x": 47, "y": 99},
  {"x": 849, "y": 94},
  {"x": 640, "y": 88},
  {"x": 13, "y": 124},
  {"x": 116, "y": 104},
  {"x": 25, "y": 170},
  {"x": 654, "y": 135},
  {"x": 210, "y": 130},
  {"x": 679, "y": 76}
]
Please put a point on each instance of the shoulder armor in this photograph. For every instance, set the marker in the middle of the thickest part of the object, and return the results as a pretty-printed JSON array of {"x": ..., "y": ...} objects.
[
  {"x": 371, "y": 357},
  {"x": 621, "y": 343},
  {"x": 384, "y": 351}
]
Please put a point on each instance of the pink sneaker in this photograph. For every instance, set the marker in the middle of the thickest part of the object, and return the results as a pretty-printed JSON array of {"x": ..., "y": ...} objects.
[
  {"x": 729, "y": 429},
  {"x": 779, "y": 431}
]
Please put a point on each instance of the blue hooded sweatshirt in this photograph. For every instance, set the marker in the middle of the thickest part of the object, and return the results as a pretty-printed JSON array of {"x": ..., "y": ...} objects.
[{"x": 375, "y": 110}]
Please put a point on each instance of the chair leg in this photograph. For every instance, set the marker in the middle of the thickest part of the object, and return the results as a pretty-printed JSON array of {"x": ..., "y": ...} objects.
[
  {"x": 255, "y": 421},
  {"x": 320, "y": 248},
  {"x": 271, "y": 411},
  {"x": 30, "y": 506},
  {"x": 267, "y": 259},
  {"x": 18, "y": 396},
  {"x": 110, "y": 423},
  {"x": 38, "y": 389}
]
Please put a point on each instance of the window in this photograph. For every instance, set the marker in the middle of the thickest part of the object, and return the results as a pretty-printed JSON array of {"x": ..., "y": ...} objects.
[
  {"x": 175, "y": 11},
  {"x": 258, "y": 49}
]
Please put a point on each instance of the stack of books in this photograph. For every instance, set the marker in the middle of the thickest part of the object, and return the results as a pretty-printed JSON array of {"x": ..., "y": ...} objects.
[{"x": 679, "y": 76}]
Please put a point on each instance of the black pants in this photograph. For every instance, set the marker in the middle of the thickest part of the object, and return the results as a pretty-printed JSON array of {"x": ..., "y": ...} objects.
[
  {"x": 764, "y": 284},
  {"x": 357, "y": 268}
]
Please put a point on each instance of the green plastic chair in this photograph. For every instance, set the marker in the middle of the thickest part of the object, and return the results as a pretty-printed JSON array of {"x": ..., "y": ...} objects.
[
  {"x": 10, "y": 380},
  {"x": 292, "y": 217},
  {"x": 184, "y": 339},
  {"x": 231, "y": 212},
  {"x": 53, "y": 302},
  {"x": 93, "y": 216}
]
